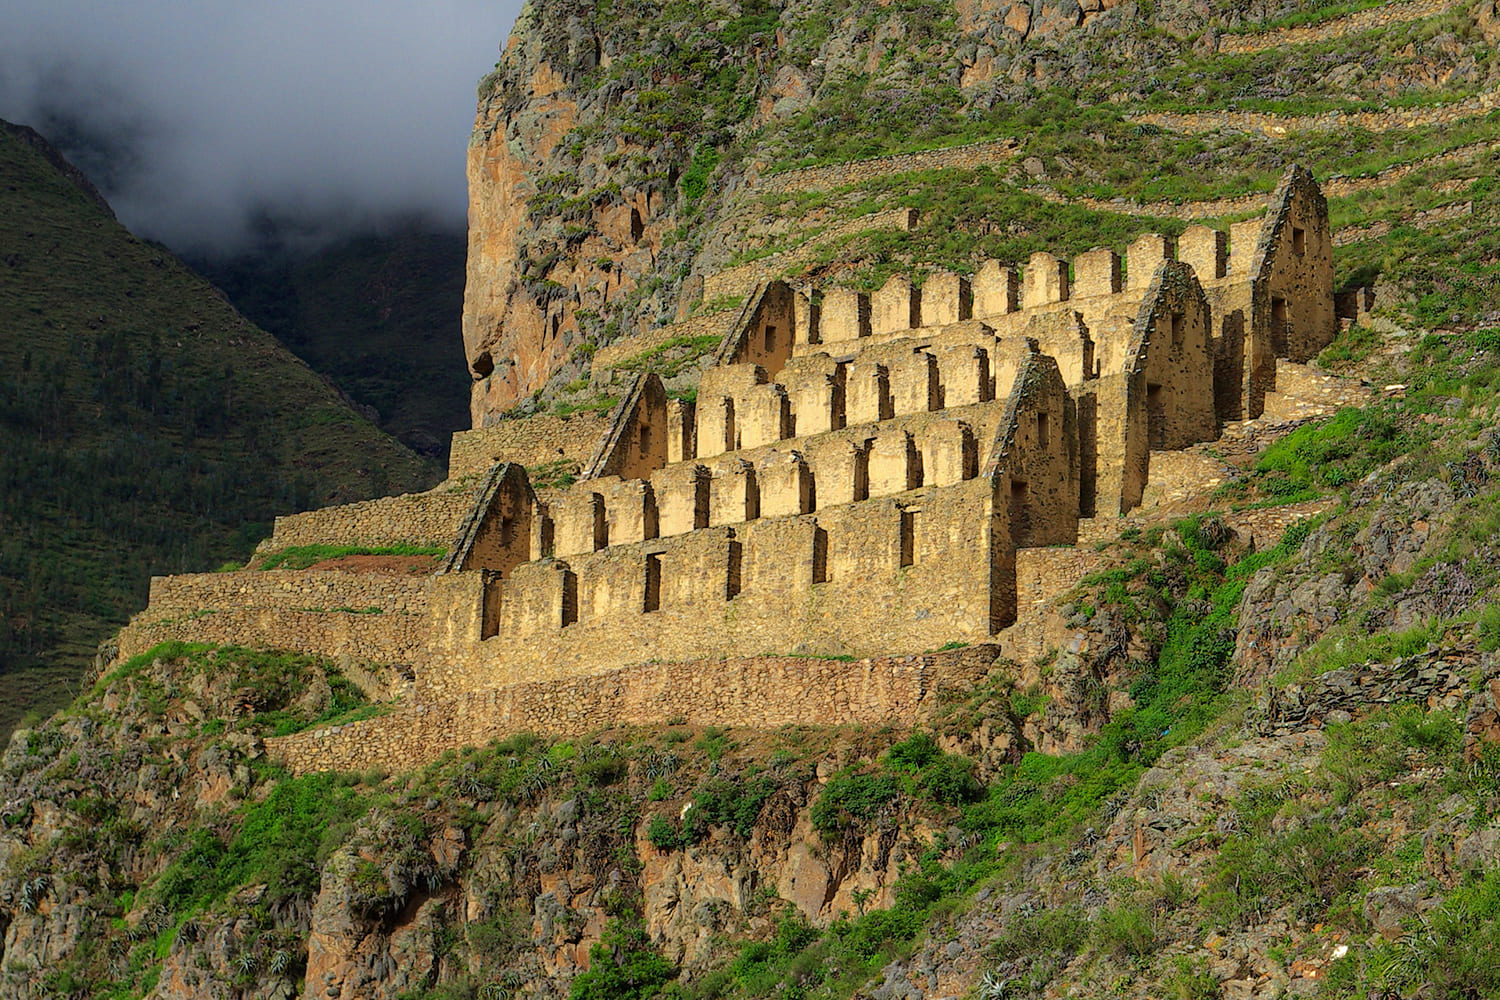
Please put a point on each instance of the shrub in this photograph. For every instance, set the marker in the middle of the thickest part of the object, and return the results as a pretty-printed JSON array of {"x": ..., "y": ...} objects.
[
  {"x": 663, "y": 833},
  {"x": 622, "y": 965},
  {"x": 851, "y": 800},
  {"x": 1128, "y": 930}
]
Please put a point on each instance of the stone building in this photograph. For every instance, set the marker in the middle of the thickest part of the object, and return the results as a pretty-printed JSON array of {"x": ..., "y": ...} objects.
[{"x": 854, "y": 477}]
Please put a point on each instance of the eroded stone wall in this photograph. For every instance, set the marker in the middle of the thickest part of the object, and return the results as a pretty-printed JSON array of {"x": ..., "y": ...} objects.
[
  {"x": 755, "y": 692},
  {"x": 894, "y": 574},
  {"x": 366, "y": 616},
  {"x": 423, "y": 519},
  {"x": 532, "y": 442}
]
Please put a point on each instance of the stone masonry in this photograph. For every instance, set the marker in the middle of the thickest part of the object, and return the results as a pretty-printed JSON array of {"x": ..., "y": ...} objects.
[{"x": 858, "y": 476}]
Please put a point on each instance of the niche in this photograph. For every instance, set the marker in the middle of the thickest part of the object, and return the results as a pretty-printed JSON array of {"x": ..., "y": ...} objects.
[
  {"x": 652, "y": 601},
  {"x": 569, "y": 597},
  {"x": 820, "y": 555},
  {"x": 1043, "y": 431},
  {"x": 1020, "y": 514},
  {"x": 1299, "y": 241},
  {"x": 732, "y": 577},
  {"x": 1178, "y": 323},
  {"x": 909, "y": 537}
]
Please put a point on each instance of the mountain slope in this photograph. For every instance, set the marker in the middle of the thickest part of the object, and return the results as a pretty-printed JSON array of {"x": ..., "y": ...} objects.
[
  {"x": 376, "y": 312},
  {"x": 147, "y": 427}
]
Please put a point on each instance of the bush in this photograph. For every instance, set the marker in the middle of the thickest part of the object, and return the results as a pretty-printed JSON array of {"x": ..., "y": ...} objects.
[
  {"x": 852, "y": 800},
  {"x": 622, "y": 965},
  {"x": 1128, "y": 930},
  {"x": 663, "y": 833}
]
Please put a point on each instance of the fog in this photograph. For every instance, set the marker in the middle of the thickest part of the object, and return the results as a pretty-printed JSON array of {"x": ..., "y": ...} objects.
[{"x": 198, "y": 117}]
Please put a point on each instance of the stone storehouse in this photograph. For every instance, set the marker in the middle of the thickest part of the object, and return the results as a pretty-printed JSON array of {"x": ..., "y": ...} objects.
[{"x": 855, "y": 476}]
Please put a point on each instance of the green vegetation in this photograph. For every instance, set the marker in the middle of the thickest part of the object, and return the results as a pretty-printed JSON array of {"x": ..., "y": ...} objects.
[
  {"x": 1349, "y": 348},
  {"x": 281, "y": 842},
  {"x": 622, "y": 966},
  {"x": 148, "y": 429},
  {"x": 671, "y": 357},
  {"x": 558, "y": 474},
  {"x": 1310, "y": 12},
  {"x": 303, "y": 556},
  {"x": 1335, "y": 453}
]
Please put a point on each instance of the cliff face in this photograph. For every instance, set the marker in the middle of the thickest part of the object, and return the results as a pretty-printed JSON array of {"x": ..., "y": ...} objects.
[
  {"x": 620, "y": 148},
  {"x": 611, "y": 140}
]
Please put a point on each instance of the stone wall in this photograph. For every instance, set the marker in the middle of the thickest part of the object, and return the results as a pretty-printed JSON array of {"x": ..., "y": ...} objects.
[
  {"x": 966, "y": 157},
  {"x": 386, "y": 638},
  {"x": 1370, "y": 19},
  {"x": 364, "y": 615},
  {"x": 758, "y": 692},
  {"x": 531, "y": 442},
  {"x": 1043, "y": 575},
  {"x": 1274, "y": 125},
  {"x": 1172, "y": 352},
  {"x": 424, "y": 519},
  {"x": 896, "y": 574},
  {"x": 1437, "y": 679}
]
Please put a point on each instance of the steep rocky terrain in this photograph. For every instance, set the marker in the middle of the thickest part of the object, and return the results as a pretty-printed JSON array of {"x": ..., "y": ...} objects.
[
  {"x": 1254, "y": 753},
  {"x": 147, "y": 427},
  {"x": 623, "y": 151},
  {"x": 1246, "y": 767}
]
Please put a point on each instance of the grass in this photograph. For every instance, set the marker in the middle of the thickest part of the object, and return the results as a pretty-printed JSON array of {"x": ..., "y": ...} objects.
[
  {"x": 672, "y": 357},
  {"x": 1349, "y": 646},
  {"x": 1306, "y": 13},
  {"x": 302, "y": 556}
]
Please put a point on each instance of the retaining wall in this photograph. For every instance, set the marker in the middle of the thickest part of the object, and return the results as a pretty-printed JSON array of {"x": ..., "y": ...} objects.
[
  {"x": 424, "y": 519},
  {"x": 757, "y": 692},
  {"x": 1361, "y": 20},
  {"x": 531, "y": 442}
]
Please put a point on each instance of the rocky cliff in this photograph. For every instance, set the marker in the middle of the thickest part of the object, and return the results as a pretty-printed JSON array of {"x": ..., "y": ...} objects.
[{"x": 622, "y": 152}]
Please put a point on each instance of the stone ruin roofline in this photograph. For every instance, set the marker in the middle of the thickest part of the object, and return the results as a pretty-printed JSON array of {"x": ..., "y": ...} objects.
[{"x": 869, "y": 501}]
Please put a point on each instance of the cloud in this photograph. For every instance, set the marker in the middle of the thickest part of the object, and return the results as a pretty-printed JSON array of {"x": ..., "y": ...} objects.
[{"x": 196, "y": 116}]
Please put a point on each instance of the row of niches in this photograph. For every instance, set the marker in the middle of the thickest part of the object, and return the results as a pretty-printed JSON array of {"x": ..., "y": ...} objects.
[
  {"x": 829, "y": 470},
  {"x": 739, "y": 407},
  {"x": 839, "y": 316},
  {"x": 867, "y": 547}
]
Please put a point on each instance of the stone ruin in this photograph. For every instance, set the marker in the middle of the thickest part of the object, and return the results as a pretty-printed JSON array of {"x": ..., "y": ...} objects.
[{"x": 854, "y": 478}]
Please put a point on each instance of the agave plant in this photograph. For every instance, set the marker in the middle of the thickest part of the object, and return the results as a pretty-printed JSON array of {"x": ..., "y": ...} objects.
[{"x": 992, "y": 986}]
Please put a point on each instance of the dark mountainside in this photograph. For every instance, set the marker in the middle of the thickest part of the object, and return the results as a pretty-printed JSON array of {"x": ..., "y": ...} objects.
[
  {"x": 148, "y": 428},
  {"x": 1252, "y": 762},
  {"x": 377, "y": 312}
]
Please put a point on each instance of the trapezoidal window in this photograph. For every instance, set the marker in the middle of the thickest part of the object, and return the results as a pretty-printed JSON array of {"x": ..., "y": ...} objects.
[
  {"x": 732, "y": 574},
  {"x": 1020, "y": 514},
  {"x": 1043, "y": 431},
  {"x": 770, "y": 340},
  {"x": 1178, "y": 324},
  {"x": 820, "y": 556},
  {"x": 569, "y": 613},
  {"x": 652, "y": 601},
  {"x": 1299, "y": 241},
  {"x": 909, "y": 537},
  {"x": 1279, "y": 325}
]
